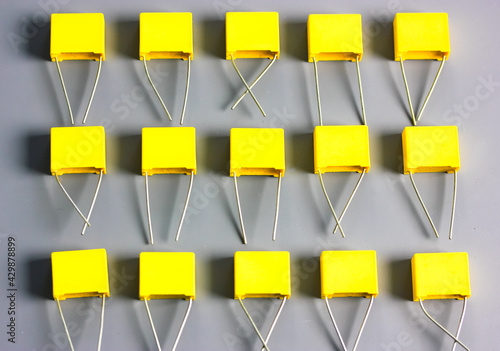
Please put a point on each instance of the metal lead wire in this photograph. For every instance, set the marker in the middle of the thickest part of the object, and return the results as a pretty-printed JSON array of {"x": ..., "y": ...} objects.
[
  {"x": 93, "y": 202},
  {"x": 407, "y": 91},
  {"x": 459, "y": 329},
  {"x": 154, "y": 88},
  {"x": 273, "y": 324},
  {"x": 187, "y": 89},
  {"x": 71, "y": 200},
  {"x": 253, "y": 324},
  {"x": 441, "y": 327},
  {"x": 423, "y": 206},
  {"x": 246, "y": 86},
  {"x": 350, "y": 199},
  {"x": 102, "y": 324},
  {"x": 363, "y": 323},
  {"x": 360, "y": 91},
  {"x": 330, "y": 204},
  {"x": 186, "y": 315},
  {"x": 65, "y": 92},
  {"x": 453, "y": 203},
  {"x": 335, "y": 324},
  {"x": 152, "y": 325},
  {"x": 432, "y": 88},
  {"x": 185, "y": 206},
  {"x": 254, "y": 82},
  {"x": 317, "y": 91},
  {"x": 148, "y": 209},
  {"x": 277, "y": 208},
  {"x": 93, "y": 90},
  {"x": 239, "y": 209},
  {"x": 65, "y": 326}
]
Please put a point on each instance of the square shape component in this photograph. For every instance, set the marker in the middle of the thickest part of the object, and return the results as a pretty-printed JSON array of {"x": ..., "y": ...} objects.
[
  {"x": 348, "y": 273},
  {"x": 77, "y": 36},
  {"x": 430, "y": 149},
  {"x": 262, "y": 274},
  {"x": 168, "y": 150},
  {"x": 81, "y": 273},
  {"x": 77, "y": 150},
  {"x": 252, "y": 35},
  {"x": 166, "y": 35},
  {"x": 257, "y": 151},
  {"x": 421, "y": 36},
  {"x": 334, "y": 37},
  {"x": 167, "y": 275},
  {"x": 341, "y": 149},
  {"x": 442, "y": 275}
]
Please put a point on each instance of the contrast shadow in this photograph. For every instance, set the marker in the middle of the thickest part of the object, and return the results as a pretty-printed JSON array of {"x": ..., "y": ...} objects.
[
  {"x": 222, "y": 277},
  {"x": 401, "y": 284},
  {"x": 130, "y": 151},
  {"x": 217, "y": 154},
  {"x": 40, "y": 277},
  {"x": 124, "y": 277},
  {"x": 38, "y": 153},
  {"x": 310, "y": 279},
  {"x": 302, "y": 150},
  {"x": 127, "y": 40},
  {"x": 392, "y": 151},
  {"x": 296, "y": 40},
  {"x": 214, "y": 38}
]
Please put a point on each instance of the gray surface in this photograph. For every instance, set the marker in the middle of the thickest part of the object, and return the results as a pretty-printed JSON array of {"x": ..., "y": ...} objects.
[{"x": 384, "y": 216}]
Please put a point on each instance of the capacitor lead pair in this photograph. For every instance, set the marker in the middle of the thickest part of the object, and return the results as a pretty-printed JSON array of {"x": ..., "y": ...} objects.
[
  {"x": 425, "y": 36},
  {"x": 338, "y": 37}
]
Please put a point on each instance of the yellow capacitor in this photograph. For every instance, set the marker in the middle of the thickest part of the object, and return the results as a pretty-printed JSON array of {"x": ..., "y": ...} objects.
[
  {"x": 169, "y": 150},
  {"x": 81, "y": 273},
  {"x": 257, "y": 151},
  {"x": 167, "y": 275},
  {"x": 77, "y": 36},
  {"x": 333, "y": 37},
  {"x": 252, "y": 35},
  {"x": 262, "y": 274},
  {"x": 341, "y": 149},
  {"x": 430, "y": 149},
  {"x": 348, "y": 273},
  {"x": 77, "y": 150},
  {"x": 421, "y": 36},
  {"x": 166, "y": 35},
  {"x": 442, "y": 275}
]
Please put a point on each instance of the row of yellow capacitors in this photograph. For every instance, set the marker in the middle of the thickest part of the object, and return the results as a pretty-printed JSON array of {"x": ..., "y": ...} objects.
[
  {"x": 261, "y": 274},
  {"x": 253, "y": 151},
  {"x": 331, "y": 37}
]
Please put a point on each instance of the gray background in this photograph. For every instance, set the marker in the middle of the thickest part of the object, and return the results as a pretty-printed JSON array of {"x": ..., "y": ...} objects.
[{"x": 385, "y": 214}]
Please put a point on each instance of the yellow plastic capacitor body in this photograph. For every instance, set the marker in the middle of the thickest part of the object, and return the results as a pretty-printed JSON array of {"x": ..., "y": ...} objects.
[
  {"x": 77, "y": 36},
  {"x": 167, "y": 275},
  {"x": 334, "y": 37},
  {"x": 81, "y": 273},
  {"x": 421, "y": 36},
  {"x": 168, "y": 150},
  {"x": 257, "y": 151},
  {"x": 263, "y": 274},
  {"x": 252, "y": 35},
  {"x": 430, "y": 149},
  {"x": 341, "y": 149},
  {"x": 443, "y": 275},
  {"x": 348, "y": 273},
  {"x": 77, "y": 150},
  {"x": 166, "y": 35}
]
